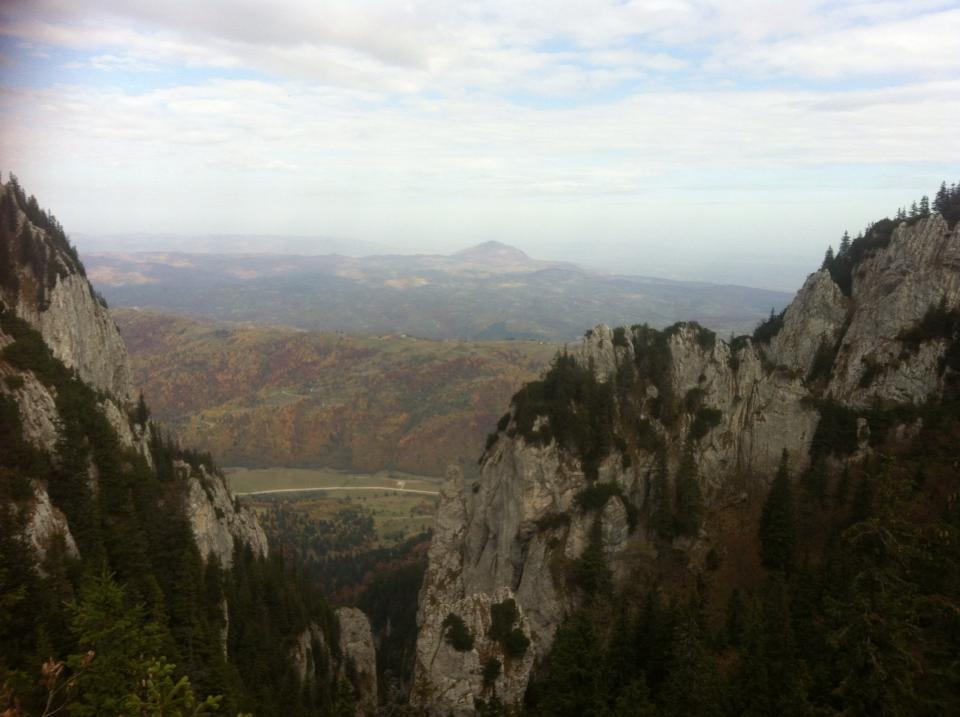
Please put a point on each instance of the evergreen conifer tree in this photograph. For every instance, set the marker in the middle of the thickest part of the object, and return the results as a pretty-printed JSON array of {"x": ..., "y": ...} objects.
[
  {"x": 777, "y": 522},
  {"x": 689, "y": 499},
  {"x": 942, "y": 198},
  {"x": 662, "y": 519},
  {"x": 844, "y": 245},
  {"x": 827, "y": 259}
]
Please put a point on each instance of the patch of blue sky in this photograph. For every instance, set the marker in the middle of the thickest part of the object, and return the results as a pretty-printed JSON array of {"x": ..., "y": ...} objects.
[{"x": 37, "y": 68}]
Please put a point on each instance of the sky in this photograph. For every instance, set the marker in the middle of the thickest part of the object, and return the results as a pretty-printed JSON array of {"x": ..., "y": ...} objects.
[{"x": 692, "y": 138}]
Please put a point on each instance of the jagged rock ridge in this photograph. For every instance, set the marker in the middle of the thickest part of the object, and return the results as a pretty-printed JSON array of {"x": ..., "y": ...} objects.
[
  {"x": 731, "y": 407},
  {"x": 45, "y": 286},
  {"x": 67, "y": 415}
]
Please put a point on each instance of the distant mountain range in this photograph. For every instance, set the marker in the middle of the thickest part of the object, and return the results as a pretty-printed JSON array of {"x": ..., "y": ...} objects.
[{"x": 489, "y": 291}]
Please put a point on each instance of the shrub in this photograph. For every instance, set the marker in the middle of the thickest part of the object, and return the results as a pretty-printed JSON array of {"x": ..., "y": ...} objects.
[
  {"x": 836, "y": 432},
  {"x": 654, "y": 360},
  {"x": 620, "y": 337},
  {"x": 871, "y": 370},
  {"x": 595, "y": 496},
  {"x": 647, "y": 438},
  {"x": 551, "y": 521},
  {"x": 823, "y": 361},
  {"x": 693, "y": 399},
  {"x": 589, "y": 571},
  {"x": 737, "y": 344},
  {"x": 491, "y": 671},
  {"x": 712, "y": 560},
  {"x": 516, "y": 643},
  {"x": 769, "y": 328},
  {"x": 456, "y": 633},
  {"x": 503, "y": 618},
  {"x": 13, "y": 382},
  {"x": 937, "y": 323},
  {"x": 580, "y": 412},
  {"x": 706, "y": 419}
]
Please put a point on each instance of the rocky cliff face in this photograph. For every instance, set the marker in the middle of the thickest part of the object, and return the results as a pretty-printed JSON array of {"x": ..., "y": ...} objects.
[
  {"x": 359, "y": 656},
  {"x": 218, "y": 521},
  {"x": 730, "y": 408},
  {"x": 356, "y": 660},
  {"x": 43, "y": 283}
]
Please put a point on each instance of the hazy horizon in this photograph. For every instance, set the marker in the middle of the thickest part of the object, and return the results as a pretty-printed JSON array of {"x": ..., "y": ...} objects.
[{"x": 690, "y": 139}]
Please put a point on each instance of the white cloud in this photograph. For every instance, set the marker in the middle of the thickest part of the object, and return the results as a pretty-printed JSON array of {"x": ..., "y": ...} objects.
[{"x": 475, "y": 119}]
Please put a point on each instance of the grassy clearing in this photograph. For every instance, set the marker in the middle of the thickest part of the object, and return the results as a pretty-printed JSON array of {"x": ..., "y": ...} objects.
[
  {"x": 246, "y": 480},
  {"x": 396, "y": 515}
]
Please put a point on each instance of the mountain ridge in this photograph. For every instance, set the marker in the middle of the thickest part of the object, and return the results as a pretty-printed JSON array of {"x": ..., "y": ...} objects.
[
  {"x": 431, "y": 296},
  {"x": 644, "y": 446},
  {"x": 125, "y": 561}
]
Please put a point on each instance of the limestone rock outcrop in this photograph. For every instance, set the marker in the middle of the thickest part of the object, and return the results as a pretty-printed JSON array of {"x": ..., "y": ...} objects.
[
  {"x": 46, "y": 287},
  {"x": 512, "y": 533},
  {"x": 360, "y": 657},
  {"x": 218, "y": 521}
]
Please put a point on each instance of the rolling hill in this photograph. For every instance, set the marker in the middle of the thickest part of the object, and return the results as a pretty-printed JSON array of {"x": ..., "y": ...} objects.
[
  {"x": 488, "y": 292},
  {"x": 264, "y": 396}
]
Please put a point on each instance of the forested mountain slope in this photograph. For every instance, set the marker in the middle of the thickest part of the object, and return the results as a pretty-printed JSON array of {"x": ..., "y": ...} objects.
[
  {"x": 670, "y": 523},
  {"x": 266, "y": 396},
  {"x": 125, "y": 563}
]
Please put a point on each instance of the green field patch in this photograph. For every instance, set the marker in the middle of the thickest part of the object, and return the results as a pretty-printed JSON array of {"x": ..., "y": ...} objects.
[{"x": 258, "y": 480}]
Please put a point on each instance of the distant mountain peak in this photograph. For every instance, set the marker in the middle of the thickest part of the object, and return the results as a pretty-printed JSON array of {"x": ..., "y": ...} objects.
[{"x": 492, "y": 251}]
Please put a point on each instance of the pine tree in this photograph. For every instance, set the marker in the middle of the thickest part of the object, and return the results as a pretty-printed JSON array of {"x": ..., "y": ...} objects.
[
  {"x": 694, "y": 686},
  {"x": 142, "y": 413},
  {"x": 827, "y": 259},
  {"x": 8, "y": 211},
  {"x": 734, "y": 618},
  {"x": 777, "y": 522},
  {"x": 689, "y": 499},
  {"x": 769, "y": 678},
  {"x": 571, "y": 684},
  {"x": 924, "y": 207},
  {"x": 634, "y": 700},
  {"x": 844, "y": 245},
  {"x": 103, "y": 622},
  {"x": 662, "y": 518},
  {"x": 942, "y": 199}
]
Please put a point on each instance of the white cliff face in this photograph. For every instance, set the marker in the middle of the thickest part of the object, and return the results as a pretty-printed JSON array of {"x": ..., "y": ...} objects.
[
  {"x": 357, "y": 662},
  {"x": 80, "y": 332},
  {"x": 356, "y": 644},
  {"x": 514, "y": 532},
  {"x": 598, "y": 348},
  {"x": 815, "y": 318},
  {"x": 45, "y": 524},
  {"x": 218, "y": 523},
  {"x": 892, "y": 290}
]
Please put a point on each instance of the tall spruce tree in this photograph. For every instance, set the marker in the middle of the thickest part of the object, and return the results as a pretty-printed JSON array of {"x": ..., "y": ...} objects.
[
  {"x": 777, "y": 522},
  {"x": 662, "y": 518},
  {"x": 827, "y": 259},
  {"x": 844, "y": 244},
  {"x": 942, "y": 198},
  {"x": 689, "y": 499}
]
